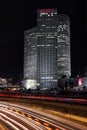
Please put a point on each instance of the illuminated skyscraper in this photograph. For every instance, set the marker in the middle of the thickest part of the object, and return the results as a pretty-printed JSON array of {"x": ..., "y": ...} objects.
[
  {"x": 30, "y": 58},
  {"x": 63, "y": 41},
  {"x": 47, "y": 49}
]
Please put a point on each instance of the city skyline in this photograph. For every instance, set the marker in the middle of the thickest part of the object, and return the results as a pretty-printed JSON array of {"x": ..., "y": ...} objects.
[{"x": 16, "y": 19}]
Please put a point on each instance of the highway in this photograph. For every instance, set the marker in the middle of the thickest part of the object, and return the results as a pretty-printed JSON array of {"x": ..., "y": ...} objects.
[
  {"x": 17, "y": 117},
  {"x": 24, "y": 95}
]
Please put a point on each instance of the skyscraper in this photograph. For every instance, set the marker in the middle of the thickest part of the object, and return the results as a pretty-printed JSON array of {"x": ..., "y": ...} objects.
[
  {"x": 63, "y": 42},
  {"x": 47, "y": 49},
  {"x": 30, "y": 58}
]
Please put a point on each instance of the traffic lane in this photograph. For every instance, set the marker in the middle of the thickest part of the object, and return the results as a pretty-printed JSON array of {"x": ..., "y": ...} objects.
[
  {"x": 54, "y": 123},
  {"x": 19, "y": 121},
  {"x": 60, "y": 122},
  {"x": 14, "y": 123},
  {"x": 42, "y": 125},
  {"x": 3, "y": 126},
  {"x": 42, "y": 119}
]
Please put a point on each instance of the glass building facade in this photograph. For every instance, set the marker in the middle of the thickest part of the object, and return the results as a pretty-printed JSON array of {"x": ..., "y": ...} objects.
[
  {"x": 47, "y": 50},
  {"x": 30, "y": 58},
  {"x": 63, "y": 41}
]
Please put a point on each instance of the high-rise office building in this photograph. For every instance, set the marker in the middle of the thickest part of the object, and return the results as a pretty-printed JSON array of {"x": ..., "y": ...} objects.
[
  {"x": 63, "y": 42},
  {"x": 30, "y": 58},
  {"x": 47, "y": 49}
]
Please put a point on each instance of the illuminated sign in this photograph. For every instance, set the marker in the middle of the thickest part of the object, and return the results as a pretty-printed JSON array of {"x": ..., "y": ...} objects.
[
  {"x": 80, "y": 80},
  {"x": 46, "y": 10}
]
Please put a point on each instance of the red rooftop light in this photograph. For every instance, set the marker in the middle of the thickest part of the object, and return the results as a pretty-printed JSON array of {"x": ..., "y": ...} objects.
[{"x": 46, "y": 10}]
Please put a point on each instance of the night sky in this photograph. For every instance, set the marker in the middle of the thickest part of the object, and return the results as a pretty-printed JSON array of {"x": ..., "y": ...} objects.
[{"x": 16, "y": 17}]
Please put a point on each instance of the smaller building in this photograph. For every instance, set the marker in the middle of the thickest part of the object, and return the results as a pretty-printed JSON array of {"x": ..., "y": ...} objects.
[
  {"x": 3, "y": 82},
  {"x": 30, "y": 84},
  {"x": 84, "y": 82}
]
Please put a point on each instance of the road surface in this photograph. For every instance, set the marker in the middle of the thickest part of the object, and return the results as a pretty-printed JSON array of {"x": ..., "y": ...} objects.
[{"x": 17, "y": 117}]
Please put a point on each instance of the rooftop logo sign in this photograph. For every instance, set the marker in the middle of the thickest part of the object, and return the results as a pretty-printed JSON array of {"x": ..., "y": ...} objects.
[{"x": 46, "y": 10}]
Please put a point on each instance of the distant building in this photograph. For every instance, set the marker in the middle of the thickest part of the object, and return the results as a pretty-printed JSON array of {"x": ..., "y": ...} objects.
[
  {"x": 3, "y": 82},
  {"x": 47, "y": 50},
  {"x": 84, "y": 83}
]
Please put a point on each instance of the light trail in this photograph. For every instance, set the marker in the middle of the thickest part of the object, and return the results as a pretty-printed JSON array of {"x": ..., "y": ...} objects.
[
  {"x": 8, "y": 122},
  {"x": 23, "y": 119},
  {"x": 2, "y": 127},
  {"x": 43, "y": 119},
  {"x": 40, "y": 120}
]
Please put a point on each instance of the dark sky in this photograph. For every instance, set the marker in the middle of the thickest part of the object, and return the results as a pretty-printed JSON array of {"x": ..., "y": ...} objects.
[{"x": 17, "y": 16}]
